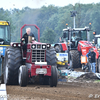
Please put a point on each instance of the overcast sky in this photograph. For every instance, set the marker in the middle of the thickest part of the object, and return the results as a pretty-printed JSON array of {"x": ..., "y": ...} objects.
[{"x": 7, "y": 4}]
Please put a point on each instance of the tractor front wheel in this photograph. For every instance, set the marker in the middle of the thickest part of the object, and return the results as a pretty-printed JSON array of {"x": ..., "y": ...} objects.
[
  {"x": 54, "y": 76},
  {"x": 23, "y": 76}
]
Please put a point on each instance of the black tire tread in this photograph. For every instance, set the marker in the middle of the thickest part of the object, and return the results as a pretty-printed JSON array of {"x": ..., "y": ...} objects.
[
  {"x": 14, "y": 62},
  {"x": 24, "y": 76},
  {"x": 75, "y": 58},
  {"x": 54, "y": 77},
  {"x": 52, "y": 60},
  {"x": 51, "y": 57}
]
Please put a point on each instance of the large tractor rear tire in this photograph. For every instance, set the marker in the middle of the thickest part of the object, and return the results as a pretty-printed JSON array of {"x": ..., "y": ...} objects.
[
  {"x": 51, "y": 56},
  {"x": 52, "y": 60},
  {"x": 75, "y": 59},
  {"x": 12, "y": 62},
  {"x": 23, "y": 76}
]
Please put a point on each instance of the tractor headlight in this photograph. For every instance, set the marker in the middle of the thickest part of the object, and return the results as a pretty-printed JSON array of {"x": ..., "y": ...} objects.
[
  {"x": 48, "y": 45},
  {"x": 14, "y": 45},
  {"x": 43, "y": 46},
  {"x": 19, "y": 45},
  {"x": 33, "y": 46}
]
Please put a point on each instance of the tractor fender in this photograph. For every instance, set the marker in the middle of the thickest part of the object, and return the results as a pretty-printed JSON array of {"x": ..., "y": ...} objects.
[{"x": 62, "y": 46}]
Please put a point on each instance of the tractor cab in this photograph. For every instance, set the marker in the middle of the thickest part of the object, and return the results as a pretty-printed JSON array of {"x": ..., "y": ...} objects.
[
  {"x": 4, "y": 33},
  {"x": 4, "y": 42},
  {"x": 73, "y": 36}
]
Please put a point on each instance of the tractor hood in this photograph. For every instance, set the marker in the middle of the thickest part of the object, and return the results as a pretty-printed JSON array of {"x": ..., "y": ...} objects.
[
  {"x": 85, "y": 44},
  {"x": 35, "y": 42},
  {"x": 38, "y": 45}
]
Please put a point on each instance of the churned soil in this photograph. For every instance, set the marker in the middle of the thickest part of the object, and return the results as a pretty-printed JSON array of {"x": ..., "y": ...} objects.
[{"x": 64, "y": 91}]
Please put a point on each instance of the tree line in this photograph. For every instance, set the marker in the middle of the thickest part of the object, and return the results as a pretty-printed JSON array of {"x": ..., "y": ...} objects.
[{"x": 51, "y": 20}]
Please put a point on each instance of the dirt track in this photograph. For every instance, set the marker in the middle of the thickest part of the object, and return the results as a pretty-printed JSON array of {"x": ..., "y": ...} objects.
[{"x": 64, "y": 91}]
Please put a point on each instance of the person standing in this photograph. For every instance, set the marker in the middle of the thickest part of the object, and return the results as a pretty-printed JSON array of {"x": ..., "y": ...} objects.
[{"x": 92, "y": 59}]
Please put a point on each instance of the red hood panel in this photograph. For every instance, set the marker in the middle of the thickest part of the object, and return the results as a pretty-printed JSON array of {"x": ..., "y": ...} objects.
[
  {"x": 84, "y": 47},
  {"x": 85, "y": 43}
]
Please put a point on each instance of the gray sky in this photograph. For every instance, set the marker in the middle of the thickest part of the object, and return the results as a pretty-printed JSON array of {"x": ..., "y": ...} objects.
[{"x": 7, "y": 4}]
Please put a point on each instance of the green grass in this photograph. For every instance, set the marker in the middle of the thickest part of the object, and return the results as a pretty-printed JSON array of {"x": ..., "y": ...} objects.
[
  {"x": 71, "y": 77},
  {"x": 97, "y": 81}
]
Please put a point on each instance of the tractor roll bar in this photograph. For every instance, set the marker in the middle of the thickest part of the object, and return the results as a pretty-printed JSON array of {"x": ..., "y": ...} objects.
[{"x": 30, "y": 25}]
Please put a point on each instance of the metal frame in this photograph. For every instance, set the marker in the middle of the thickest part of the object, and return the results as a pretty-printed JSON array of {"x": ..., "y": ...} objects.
[{"x": 30, "y": 25}]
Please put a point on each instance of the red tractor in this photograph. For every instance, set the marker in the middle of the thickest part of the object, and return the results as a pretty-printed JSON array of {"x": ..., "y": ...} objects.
[
  {"x": 76, "y": 50},
  {"x": 39, "y": 63}
]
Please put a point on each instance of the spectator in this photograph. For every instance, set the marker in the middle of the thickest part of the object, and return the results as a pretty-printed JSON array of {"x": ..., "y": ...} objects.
[{"x": 92, "y": 59}]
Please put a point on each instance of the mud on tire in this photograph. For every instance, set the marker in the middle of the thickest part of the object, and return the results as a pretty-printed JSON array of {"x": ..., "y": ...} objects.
[{"x": 12, "y": 62}]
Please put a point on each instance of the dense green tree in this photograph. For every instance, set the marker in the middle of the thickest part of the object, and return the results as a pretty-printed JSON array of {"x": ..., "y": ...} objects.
[
  {"x": 48, "y": 36},
  {"x": 55, "y": 18}
]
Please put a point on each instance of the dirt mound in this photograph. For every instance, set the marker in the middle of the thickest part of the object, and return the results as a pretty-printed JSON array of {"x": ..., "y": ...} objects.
[{"x": 88, "y": 76}]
